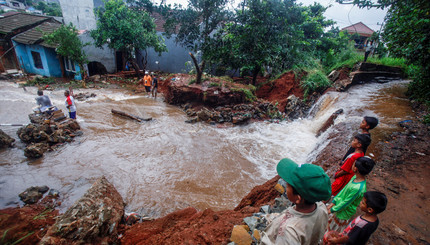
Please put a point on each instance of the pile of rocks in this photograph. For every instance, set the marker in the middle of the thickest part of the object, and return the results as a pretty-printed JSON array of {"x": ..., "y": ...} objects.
[
  {"x": 250, "y": 233},
  {"x": 236, "y": 114},
  {"x": 47, "y": 131},
  {"x": 5, "y": 140},
  {"x": 93, "y": 219},
  {"x": 33, "y": 194}
]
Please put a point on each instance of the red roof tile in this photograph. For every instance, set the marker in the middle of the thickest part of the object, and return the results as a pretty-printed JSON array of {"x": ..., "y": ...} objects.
[{"x": 359, "y": 28}]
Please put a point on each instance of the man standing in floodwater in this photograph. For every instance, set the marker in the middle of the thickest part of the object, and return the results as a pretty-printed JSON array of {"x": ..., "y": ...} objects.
[
  {"x": 154, "y": 85},
  {"x": 70, "y": 104},
  {"x": 147, "y": 83},
  {"x": 43, "y": 101}
]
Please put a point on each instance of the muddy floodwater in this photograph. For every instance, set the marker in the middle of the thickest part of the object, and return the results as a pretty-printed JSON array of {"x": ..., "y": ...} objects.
[{"x": 166, "y": 164}]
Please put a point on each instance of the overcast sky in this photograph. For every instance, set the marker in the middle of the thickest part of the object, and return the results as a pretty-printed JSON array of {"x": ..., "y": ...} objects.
[{"x": 343, "y": 14}]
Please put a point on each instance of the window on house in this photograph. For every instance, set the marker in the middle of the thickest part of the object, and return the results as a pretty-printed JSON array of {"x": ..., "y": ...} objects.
[
  {"x": 15, "y": 4},
  {"x": 69, "y": 64},
  {"x": 37, "y": 60}
]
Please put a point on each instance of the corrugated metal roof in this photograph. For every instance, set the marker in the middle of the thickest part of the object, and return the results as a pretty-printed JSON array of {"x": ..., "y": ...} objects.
[
  {"x": 34, "y": 35},
  {"x": 359, "y": 28},
  {"x": 13, "y": 22}
]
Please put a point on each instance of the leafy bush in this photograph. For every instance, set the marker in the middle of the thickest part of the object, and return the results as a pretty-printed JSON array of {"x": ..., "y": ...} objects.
[
  {"x": 213, "y": 84},
  {"x": 347, "y": 58},
  {"x": 40, "y": 81},
  {"x": 315, "y": 80},
  {"x": 249, "y": 95}
]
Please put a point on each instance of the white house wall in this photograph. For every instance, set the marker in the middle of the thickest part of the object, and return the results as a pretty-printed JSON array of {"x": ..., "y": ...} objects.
[
  {"x": 172, "y": 61},
  {"x": 81, "y": 14},
  {"x": 106, "y": 56}
]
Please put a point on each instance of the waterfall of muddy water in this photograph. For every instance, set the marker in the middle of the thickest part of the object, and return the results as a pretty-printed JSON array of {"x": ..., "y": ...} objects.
[{"x": 166, "y": 164}]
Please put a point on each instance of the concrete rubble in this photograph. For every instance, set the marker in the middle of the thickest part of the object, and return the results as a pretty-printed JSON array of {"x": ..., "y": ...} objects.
[{"x": 47, "y": 131}]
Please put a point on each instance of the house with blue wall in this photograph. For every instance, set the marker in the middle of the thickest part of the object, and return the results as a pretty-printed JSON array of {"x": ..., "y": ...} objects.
[{"x": 35, "y": 56}]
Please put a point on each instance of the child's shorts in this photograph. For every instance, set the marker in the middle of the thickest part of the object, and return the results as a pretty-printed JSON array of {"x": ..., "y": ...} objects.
[
  {"x": 335, "y": 224},
  {"x": 72, "y": 115}
]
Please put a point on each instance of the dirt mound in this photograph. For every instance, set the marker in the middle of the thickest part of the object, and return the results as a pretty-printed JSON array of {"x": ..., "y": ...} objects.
[
  {"x": 402, "y": 174},
  {"x": 278, "y": 90},
  {"x": 27, "y": 224}
]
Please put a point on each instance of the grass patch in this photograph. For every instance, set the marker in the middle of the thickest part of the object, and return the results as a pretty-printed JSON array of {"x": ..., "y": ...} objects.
[
  {"x": 40, "y": 81},
  {"x": 249, "y": 95},
  {"x": 213, "y": 84},
  {"x": 315, "y": 80},
  {"x": 14, "y": 242},
  {"x": 43, "y": 214},
  {"x": 226, "y": 78},
  {"x": 388, "y": 61}
]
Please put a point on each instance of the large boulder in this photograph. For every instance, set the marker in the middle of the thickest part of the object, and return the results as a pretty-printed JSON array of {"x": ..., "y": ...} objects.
[
  {"x": 5, "y": 140},
  {"x": 329, "y": 122},
  {"x": 36, "y": 150},
  {"x": 33, "y": 194},
  {"x": 93, "y": 219},
  {"x": 295, "y": 108}
]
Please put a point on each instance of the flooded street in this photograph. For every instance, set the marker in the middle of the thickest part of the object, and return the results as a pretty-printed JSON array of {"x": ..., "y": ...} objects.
[{"x": 166, "y": 164}]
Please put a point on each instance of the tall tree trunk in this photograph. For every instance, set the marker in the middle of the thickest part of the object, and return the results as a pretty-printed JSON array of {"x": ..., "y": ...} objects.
[
  {"x": 133, "y": 63},
  {"x": 255, "y": 74},
  {"x": 145, "y": 60},
  {"x": 199, "y": 68}
]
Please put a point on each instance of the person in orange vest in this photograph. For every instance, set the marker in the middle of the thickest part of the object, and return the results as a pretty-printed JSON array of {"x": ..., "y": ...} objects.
[{"x": 147, "y": 82}]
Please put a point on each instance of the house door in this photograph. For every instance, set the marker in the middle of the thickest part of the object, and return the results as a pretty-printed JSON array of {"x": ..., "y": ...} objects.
[{"x": 119, "y": 60}]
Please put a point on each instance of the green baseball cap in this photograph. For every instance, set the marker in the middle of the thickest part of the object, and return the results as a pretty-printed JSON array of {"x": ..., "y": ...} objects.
[{"x": 309, "y": 180}]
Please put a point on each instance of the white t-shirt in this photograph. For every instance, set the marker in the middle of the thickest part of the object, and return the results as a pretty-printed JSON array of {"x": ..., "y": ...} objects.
[
  {"x": 292, "y": 227},
  {"x": 70, "y": 100}
]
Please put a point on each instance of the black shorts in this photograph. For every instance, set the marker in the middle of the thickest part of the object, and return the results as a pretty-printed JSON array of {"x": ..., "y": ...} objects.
[{"x": 148, "y": 88}]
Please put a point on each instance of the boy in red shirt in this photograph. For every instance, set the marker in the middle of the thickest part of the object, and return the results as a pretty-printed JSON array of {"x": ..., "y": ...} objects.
[{"x": 345, "y": 173}]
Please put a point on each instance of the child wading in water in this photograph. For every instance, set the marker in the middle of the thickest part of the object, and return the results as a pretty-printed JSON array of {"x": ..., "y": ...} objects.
[
  {"x": 366, "y": 125},
  {"x": 306, "y": 221},
  {"x": 345, "y": 173},
  {"x": 359, "y": 230},
  {"x": 345, "y": 203}
]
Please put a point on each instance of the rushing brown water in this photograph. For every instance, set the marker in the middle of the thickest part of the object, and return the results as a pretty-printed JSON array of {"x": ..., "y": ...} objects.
[{"x": 166, "y": 164}]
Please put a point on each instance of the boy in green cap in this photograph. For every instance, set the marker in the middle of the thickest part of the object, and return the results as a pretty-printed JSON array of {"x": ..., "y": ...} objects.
[{"x": 306, "y": 221}]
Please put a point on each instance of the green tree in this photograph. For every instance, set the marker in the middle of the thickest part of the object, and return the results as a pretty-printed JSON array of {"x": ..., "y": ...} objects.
[
  {"x": 126, "y": 30},
  {"x": 194, "y": 27},
  {"x": 51, "y": 9},
  {"x": 263, "y": 33},
  {"x": 68, "y": 44}
]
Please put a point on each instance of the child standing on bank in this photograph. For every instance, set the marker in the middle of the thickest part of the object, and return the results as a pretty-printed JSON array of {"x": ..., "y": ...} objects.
[
  {"x": 306, "y": 221},
  {"x": 345, "y": 173},
  {"x": 345, "y": 203},
  {"x": 366, "y": 125},
  {"x": 359, "y": 230}
]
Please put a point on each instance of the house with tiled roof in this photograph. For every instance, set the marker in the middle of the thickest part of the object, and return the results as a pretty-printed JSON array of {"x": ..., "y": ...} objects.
[
  {"x": 23, "y": 47},
  {"x": 35, "y": 56},
  {"x": 361, "y": 33},
  {"x": 12, "y": 24}
]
